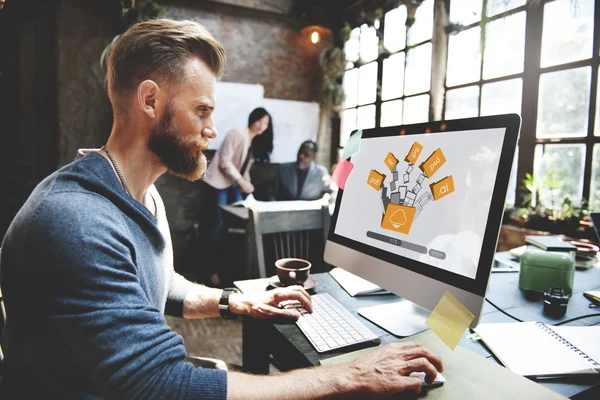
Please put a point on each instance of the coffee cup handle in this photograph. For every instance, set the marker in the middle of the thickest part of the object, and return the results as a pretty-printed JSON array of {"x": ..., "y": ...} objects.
[{"x": 293, "y": 275}]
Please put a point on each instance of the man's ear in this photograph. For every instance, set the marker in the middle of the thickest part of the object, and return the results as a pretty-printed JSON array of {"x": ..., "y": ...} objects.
[{"x": 147, "y": 96}]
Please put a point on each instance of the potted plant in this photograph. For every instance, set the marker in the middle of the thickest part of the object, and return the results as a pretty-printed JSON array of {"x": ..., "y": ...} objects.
[{"x": 559, "y": 217}]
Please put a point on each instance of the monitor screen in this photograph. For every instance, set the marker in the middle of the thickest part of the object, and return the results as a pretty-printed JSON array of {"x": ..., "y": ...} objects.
[{"x": 428, "y": 198}]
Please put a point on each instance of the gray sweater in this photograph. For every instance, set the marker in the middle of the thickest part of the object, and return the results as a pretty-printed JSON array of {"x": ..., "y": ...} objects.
[{"x": 86, "y": 274}]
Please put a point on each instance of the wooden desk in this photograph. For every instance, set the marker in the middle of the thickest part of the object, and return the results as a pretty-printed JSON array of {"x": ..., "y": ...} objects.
[{"x": 290, "y": 349}]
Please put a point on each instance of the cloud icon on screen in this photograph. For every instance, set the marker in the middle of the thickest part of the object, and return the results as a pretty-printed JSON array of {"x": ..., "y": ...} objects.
[{"x": 398, "y": 218}]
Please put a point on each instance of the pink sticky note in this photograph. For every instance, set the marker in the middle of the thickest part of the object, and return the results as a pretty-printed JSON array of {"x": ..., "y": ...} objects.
[{"x": 342, "y": 170}]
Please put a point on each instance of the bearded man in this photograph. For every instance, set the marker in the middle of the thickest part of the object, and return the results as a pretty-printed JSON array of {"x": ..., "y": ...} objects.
[{"x": 87, "y": 263}]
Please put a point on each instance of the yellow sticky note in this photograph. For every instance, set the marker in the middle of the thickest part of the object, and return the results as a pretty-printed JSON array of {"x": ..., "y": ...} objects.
[{"x": 449, "y": 320}]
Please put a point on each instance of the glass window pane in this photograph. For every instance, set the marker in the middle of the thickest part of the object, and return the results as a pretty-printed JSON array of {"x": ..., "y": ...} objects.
[
  {"x": 504, "y": 46},
  {"x": 391, "y": 113},
  {"x": 568, "y": 31},
  {"x": 394, "y": 37},
  {"x": 369, "y": 43},
  {"x": 416, "y": 109},
  {"x": 351, "y": 47},
  {"x": 351, "y": 88},
  {"x": 367, "y": 83},
  {"x": 495, "y": 7},
  {"x": 512, "y": 182},
  {"x": 597, "y": 125},
  {"x": 563, "y": 104},
  {"x": 462, "y": 103},
  {"x": 422, "y": 29},
  {"x": 502, "y": 97},
  {"x": 464, "y": 57},
  {"x": 393, "y": 77},
  {"x": 418, "y": 70},
  {"x": 365, "y": 117},
  {"x": 347, "y": 125},
  {"x": 465, "y": 12},
  {"x": 595, "y": 186},
  {"x": 559, "y": 170}
]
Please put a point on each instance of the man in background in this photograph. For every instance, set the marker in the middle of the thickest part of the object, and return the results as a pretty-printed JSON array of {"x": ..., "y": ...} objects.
[{"x": 303, "y": 179}]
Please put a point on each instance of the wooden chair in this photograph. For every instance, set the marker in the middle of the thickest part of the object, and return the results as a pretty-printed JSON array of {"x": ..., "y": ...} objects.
[{"x": 288, "y": 233}]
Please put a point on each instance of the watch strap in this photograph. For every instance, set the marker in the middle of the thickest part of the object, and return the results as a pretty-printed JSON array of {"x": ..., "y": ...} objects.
[{"x": 224, "y": 310}]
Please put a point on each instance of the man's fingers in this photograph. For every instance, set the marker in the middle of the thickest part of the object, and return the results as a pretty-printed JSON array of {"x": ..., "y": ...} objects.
[
  {"x": 287, "y": 313},
  {"x": 266, "y": 311},
  {"x": 297, "y": 295},
  {"x": 420, "y": 365},
  {"x": 300, "y": 288},
  {"x": 422, "y": 351},
  {"x": 411, "y": 383}
]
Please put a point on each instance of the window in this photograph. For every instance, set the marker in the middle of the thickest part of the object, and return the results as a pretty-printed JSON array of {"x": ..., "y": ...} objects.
[
  {"x": 486, "y": 79},
  {"x": 496, "y": 64},
  {"x": 360, "y": 82},
  {"x": 566, "y": 140},
  {"x": 388, "y": 84},
  {"x": 563, "y": 103}
]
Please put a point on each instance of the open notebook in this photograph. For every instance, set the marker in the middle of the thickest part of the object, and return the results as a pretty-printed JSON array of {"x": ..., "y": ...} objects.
[
  {"x": 539, "y": 350},
  {"x": 355, "y": 285}
]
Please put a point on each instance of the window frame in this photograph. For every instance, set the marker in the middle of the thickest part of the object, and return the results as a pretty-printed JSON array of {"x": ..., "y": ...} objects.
[
  {"x": 531, "y": 85},
  {"x": 530, "y": 76},
  {"x": 378, "y": 100}
]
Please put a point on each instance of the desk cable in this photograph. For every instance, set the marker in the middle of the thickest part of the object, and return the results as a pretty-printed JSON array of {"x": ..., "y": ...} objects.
[
  {"x": 560, "y": 323},
  {"x": 502, "y": 311}
]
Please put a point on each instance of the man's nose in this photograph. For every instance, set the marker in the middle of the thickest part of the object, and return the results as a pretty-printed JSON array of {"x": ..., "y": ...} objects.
[{"x": 209, "y": 131}]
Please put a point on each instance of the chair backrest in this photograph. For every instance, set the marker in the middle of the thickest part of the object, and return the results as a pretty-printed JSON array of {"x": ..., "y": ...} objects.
[{"x": 289, "y": 233}]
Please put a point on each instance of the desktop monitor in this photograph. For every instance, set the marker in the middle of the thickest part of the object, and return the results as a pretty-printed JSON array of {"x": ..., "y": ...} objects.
[{"x": 420, "y": 212}]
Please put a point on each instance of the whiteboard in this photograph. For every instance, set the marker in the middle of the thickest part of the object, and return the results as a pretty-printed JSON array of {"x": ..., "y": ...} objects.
[
  {"x": 235, "y": 102},
  {"x": 293, "y": 123}
]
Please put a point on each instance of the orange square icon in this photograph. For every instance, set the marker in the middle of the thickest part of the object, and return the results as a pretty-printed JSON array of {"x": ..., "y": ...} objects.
[
  {"x": 414, "y": 153},
  {"x": 375, "y": 179},
  {"x": 398, "y": 218},
  {"x": 391, "y": 161},
  {"x": 433, "y": 163},
  {"x": 442, "y": 188}
]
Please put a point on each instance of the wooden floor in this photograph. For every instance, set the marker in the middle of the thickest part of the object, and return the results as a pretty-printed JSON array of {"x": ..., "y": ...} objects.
[{"x": 210, "y": 337}]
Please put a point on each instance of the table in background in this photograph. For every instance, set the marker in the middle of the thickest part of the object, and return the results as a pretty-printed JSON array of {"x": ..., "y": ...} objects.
[{"x": 290, "y": 349}]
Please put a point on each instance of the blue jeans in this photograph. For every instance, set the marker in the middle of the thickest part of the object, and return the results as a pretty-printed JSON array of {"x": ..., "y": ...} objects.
[{"x": 215, "y": 198}]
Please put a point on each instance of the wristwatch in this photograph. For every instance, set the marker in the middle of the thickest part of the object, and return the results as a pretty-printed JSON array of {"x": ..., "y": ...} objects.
[{"x": 224, "y": 310}]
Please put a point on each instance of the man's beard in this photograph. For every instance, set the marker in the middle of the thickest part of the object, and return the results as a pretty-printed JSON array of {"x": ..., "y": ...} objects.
[{"x": 184, "y": 159}]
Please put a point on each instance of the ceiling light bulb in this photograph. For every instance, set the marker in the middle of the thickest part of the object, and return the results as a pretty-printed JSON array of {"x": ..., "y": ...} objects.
[{"x": 314, "y": 37}]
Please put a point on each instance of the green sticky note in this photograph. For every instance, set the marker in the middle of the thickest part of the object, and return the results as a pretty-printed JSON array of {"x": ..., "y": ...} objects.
[
  {"x": 352, "y": 145},
  {"x": 449, "y": 320}
]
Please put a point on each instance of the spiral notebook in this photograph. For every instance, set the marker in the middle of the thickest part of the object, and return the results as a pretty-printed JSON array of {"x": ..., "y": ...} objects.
[{"x": 538, "y": 350}]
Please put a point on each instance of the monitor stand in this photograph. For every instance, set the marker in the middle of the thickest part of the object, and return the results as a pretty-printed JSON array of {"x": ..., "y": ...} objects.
[{"x": 403, "y": 318}]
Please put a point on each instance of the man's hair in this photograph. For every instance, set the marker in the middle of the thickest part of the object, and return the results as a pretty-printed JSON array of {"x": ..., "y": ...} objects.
[
  {"x": 311, "y": 145},
  {"x": 158, "y": 49}
]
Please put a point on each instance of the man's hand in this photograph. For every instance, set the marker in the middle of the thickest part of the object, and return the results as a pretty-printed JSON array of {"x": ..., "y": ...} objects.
[
  {"x": 385, "y": 371},
  {"x": 382, "y": 373},
  {"x": 245, "y": 186},
  {"x": 266, "y": 305}
]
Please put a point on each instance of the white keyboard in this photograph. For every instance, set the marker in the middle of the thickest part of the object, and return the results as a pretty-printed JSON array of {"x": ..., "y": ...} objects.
[{"x": 331, "y": 326}]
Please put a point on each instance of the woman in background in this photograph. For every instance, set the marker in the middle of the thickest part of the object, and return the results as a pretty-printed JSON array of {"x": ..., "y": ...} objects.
[{"x": 228, "y": 174}]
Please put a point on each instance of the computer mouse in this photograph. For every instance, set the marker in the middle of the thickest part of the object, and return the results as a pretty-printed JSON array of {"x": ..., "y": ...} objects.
[{"x": 438, "y": 381}]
